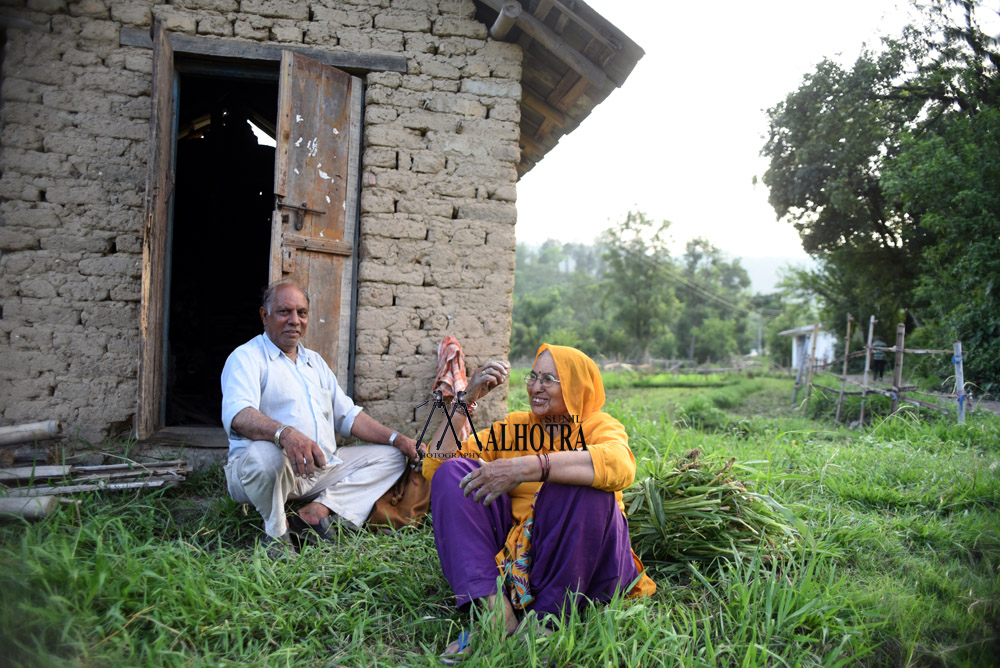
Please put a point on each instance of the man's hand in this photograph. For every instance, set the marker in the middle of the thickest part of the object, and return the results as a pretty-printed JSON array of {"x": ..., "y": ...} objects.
[
  {"x": 303, "y": 452},
  {"x": 407, "y": 446}
]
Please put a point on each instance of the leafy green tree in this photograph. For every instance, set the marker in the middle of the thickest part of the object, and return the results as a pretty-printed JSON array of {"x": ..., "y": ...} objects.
[
  {"x": 537, "y": 317},
  {"x": 798, "y": 307},
  {"x": 556, "y": 297},
  {"x": 888, "y": 171},
  {"x": 665, "y": 345},
  {"x": 827, "y": 144},
  {"x": 711, "y": 287},
  {"x": 604, "y": 338},
  {"x": 641, "y": 300},
  {"x": 716, "y": 339},
  {"x": 951, "y": 181}
]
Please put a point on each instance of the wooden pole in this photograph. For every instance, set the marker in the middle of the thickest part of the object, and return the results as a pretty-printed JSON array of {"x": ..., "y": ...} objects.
[
  {"x": 812, "y": 366},
  {"x": 868, "y": 366},
  {"x": 959, "y": 381},
  {"x": 843, "y": 377},
  {"x": 25, "y": 433},
  {"x": 30, "y": 508},
  {"x": 798, "y": 376},
  {"x": 550, "y": 113},
  {"x": 509, "y": 11},
  {"x": 897, "y": 373}
]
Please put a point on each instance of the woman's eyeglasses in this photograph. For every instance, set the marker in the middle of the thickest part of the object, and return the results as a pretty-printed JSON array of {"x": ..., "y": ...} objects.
[{"x": 546, "y": 378}]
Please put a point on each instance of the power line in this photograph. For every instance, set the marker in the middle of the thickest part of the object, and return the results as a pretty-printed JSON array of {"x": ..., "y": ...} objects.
[{"x": 700, "y": 289}]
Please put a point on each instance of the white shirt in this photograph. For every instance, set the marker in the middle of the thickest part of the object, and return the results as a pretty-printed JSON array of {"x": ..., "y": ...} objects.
[{"x": 303, "y": 394}]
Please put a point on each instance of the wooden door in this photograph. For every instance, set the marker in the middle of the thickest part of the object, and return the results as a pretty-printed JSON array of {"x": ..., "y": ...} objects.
[
  {"x": 315, "y": 184},
  {"x": 159, "y": 190}
]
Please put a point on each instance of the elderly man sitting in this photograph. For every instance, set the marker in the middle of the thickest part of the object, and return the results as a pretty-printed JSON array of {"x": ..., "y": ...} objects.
[{"x": 282, "y": 408}]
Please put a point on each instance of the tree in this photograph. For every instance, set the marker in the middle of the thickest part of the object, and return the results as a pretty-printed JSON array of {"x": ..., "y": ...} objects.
[
  {"x": 556, "y": 297},
  {"x": 712, "y": 287},
  {"x": 716, "y": 339},
  {"x": 640, "y": 298},
  {"x": 827, "y": 144},
  {"x": 888, "y": 170},
  {"x": 950, "y": 181}
]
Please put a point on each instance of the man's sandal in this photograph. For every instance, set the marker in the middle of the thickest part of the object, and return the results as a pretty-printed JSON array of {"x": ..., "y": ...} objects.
[
  {"x": 460, "y": 653},
  {"x": 325, "y": 530},
  {"x": 277, "y": 549}
]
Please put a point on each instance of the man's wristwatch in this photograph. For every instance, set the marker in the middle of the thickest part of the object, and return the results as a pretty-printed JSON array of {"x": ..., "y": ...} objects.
[
  {"x": 277, "y": 434},
  {"x": 392, "y": 439}
]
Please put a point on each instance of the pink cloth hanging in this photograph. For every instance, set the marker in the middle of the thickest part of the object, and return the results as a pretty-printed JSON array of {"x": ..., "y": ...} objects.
[{"x": 450, "y": 377}]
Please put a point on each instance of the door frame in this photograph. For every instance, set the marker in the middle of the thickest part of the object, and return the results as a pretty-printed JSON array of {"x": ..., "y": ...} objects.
[
  {"x": 158, "y": 216},
  {"x": 156, "y": 231}
]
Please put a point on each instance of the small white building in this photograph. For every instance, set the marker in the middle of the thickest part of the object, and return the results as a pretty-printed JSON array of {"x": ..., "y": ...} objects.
[{"x": 802, "y": 345}]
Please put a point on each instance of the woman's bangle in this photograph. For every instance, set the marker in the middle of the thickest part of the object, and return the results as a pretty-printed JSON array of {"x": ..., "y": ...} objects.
[{"x": 546, "y": 466}]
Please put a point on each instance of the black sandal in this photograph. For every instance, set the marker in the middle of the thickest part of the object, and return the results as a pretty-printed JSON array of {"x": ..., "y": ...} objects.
[{"x": 325, "y": 530}]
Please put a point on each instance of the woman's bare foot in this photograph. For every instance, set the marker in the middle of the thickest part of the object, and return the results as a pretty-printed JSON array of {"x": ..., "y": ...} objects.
[
  {"x": 509, "y": 618},
  {"x": 457, "y": 649}
]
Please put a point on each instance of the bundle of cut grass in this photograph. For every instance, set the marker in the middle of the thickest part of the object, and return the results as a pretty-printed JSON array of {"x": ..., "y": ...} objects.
[{"x": 696, "y": 512}]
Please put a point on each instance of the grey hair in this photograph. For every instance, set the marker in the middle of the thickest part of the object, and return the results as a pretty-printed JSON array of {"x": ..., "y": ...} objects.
[{"x": 268, "y": 299}]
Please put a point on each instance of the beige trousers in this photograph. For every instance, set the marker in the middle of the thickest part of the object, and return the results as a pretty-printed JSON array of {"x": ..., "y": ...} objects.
[{"x": 262, "y": 475}]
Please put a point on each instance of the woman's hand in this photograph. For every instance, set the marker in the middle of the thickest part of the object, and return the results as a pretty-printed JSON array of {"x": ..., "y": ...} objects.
[
  {"x": 487, "y": 377},
  {"x": 493, "y": 479}
]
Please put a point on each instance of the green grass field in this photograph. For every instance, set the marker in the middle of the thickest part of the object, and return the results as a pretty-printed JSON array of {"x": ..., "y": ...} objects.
[{"x": 898, "y": 563}]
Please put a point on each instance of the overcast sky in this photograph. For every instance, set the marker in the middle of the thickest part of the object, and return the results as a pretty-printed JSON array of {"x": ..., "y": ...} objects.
[{"x": 681, "y": 139}]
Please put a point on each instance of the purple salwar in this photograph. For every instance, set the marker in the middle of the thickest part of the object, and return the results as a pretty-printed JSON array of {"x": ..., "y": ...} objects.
[{"x": 580, "y": 541}]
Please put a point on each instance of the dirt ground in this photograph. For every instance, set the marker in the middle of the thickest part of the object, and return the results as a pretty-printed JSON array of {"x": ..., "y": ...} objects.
[{"x": 992, "y": 406}]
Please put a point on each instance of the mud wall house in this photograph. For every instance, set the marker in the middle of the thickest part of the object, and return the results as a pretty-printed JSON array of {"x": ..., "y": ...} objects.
[{"x": 162, "y": 162}]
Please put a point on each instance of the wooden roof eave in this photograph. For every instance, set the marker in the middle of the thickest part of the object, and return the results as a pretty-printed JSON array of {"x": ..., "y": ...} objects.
[
  {"x": 562, "y": 82},
  {"x": 511, "y": 10}
]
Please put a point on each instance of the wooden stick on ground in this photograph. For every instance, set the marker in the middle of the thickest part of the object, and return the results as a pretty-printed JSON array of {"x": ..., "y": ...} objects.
[
  {"x": 30, "y": 508},
  {"x": 33, "y": 481},
  {"x": 25, "y": 433}
]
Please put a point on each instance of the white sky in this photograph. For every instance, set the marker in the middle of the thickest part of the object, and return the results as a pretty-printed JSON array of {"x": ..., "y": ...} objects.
[{"x": 681, "y": 139}]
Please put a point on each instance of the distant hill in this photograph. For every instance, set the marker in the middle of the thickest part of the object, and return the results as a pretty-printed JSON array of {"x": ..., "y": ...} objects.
[{"x": 763, "y": 271}]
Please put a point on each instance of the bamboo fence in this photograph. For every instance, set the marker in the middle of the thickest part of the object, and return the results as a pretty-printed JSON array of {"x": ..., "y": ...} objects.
[{"x": 898, "y": 393}]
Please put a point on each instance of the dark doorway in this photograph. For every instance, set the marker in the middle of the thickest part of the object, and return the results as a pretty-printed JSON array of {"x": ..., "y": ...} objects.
[{"x": 220, "y": 241}]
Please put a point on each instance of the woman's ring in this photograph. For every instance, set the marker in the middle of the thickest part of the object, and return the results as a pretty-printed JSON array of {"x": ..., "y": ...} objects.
[{"x": 304, "y": 461}]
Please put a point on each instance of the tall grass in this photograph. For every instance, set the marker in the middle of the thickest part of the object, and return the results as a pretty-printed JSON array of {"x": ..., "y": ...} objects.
[
  {"x": 900, "y": 568},
  {"x": 906, "y": 511}
]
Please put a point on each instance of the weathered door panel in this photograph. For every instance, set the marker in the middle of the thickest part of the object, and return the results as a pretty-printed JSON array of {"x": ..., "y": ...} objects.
[
  {"x": 313, "y": 226},
  {"x": 159, "y": 189}
]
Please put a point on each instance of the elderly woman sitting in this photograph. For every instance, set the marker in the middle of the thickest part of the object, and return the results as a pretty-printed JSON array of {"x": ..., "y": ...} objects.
[{"x": 540, "y": 505}]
